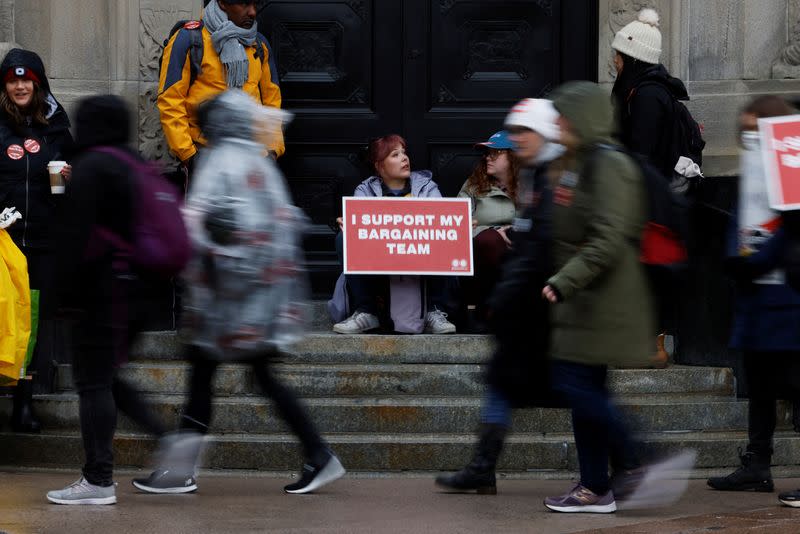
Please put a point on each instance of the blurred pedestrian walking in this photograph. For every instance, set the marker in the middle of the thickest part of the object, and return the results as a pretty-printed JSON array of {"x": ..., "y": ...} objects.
[
  {"x": 766, "y": 326},
  {"x": 98, "y": 283},
  {"x": 246, "y": 284},
  {"x": 517, "y": 374},
  {"x": 602, "y": 312}
]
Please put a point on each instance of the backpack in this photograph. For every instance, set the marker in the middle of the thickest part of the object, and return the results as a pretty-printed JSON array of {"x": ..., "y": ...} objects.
[
  {"x": 685, "y": 138},
  {"x": 195, "y": 30},
  {"x": 161, "y": 243},
  {"x": 662, "y": 245}
]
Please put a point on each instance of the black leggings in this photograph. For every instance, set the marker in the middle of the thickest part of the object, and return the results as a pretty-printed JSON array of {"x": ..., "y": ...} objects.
[{"x": 197, "y": 414}]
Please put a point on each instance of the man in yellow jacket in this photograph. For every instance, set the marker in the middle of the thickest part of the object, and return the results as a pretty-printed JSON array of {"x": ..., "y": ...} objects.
[{"x": 203, "y": 59}]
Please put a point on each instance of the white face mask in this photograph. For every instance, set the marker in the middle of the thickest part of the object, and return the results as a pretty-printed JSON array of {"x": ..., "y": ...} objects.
[{"x": 751, "y": 140}]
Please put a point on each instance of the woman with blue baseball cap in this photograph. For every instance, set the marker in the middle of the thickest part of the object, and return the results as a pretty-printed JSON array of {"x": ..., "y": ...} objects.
[{"x": 492, "y": 187}]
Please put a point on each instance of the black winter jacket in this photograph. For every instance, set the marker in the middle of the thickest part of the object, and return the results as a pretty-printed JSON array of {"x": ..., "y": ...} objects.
[
  {"x": 24, "y": 181},
  {"x": 646, "y": 111},
  {"x": 100, "y": 193},
  {"x": 520, "y": 319}
]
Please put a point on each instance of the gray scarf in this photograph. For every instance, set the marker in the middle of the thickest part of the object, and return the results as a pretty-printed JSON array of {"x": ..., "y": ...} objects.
[{"x": 229, "y": 41}]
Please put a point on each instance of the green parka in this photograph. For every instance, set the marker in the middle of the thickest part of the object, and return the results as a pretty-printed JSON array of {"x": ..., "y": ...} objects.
[{"x": 607, "y": 313}]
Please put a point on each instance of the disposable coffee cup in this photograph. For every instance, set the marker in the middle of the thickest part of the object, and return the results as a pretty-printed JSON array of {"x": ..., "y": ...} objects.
[{"x": 56, "y": 180}]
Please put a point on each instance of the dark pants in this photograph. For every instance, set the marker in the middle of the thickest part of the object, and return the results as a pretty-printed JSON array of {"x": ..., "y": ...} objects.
[
  {"x": 101, "y": 392},
  {"x": 99, "y": 338},
  {"x": 366, "y": 290},
  {"x": 197, "y": 414},
  {"x": 596, "y": 422},
  {"x": 50, "y": 345},
  {"x": 489, "y": 251},
  {"x": 770, "y": 376}
]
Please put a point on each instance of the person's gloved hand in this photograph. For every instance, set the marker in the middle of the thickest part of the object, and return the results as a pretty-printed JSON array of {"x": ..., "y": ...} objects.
[{"x": 8, "y": 217}]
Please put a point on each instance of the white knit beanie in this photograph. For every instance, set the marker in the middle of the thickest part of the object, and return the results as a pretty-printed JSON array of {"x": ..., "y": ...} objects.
[
  {"x": 640, "y": 39},
  {"x": 536, "y": 114}
]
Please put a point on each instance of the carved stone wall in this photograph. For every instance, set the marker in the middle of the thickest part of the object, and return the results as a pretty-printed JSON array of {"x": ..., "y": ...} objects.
[
  {"x": 726, "y": 51},
  {"x": 615, "y": 14},
  {"x": 156, "y": 19},
  {"x": 787, "y": 64},
  {"x": 6, "y": 20}
]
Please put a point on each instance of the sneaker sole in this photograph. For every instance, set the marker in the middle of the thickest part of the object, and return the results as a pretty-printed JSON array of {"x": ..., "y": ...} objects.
[
  {"x": 333, "y": 470},
  {"x": 586, "y": 509},
  {"x": 793, "y": 504},
  {"x": 441, "y": 332},
  {"x": 104, "y": 500},
  {"x": 351, "y": 332},
  {"x": 756, "y": 488},
  {"x": 171, "y": 491}
]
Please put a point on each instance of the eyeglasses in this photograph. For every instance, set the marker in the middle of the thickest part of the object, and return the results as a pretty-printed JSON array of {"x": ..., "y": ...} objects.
[{"x": 492, "y": 154}]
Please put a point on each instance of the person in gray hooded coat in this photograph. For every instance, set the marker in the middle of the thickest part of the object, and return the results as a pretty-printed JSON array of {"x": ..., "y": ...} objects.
[{"x": 246, "y": 285}]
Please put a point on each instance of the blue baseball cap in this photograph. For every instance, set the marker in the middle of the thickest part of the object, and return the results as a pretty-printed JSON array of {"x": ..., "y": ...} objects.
[{"x": 498, "y": 141}]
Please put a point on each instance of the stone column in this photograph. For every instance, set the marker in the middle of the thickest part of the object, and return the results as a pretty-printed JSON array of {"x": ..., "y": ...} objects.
[
  {"x": 156, "y": 19},
  {"x": 787, "y": 64},
  {"x": 6, "y": 27}
]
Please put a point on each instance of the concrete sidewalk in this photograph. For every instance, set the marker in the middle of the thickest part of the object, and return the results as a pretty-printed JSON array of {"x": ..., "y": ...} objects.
[{"x": 251, "y": 503}]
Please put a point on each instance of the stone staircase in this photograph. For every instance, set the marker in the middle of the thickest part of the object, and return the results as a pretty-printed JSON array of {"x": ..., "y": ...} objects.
[{"x": 391, "y": 404}]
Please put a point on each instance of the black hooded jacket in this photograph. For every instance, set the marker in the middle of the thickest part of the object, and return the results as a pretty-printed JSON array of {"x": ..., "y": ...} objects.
[
  {"x": 25, "y": 150},
  {"x": 646, "y": 107},
  {"x": 100, "y": 193}
]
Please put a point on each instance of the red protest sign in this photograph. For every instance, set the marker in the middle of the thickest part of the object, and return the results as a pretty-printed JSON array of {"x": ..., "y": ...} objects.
[
  {"x": 780, "y": 148},
  {"x": 430, "y": 236}
]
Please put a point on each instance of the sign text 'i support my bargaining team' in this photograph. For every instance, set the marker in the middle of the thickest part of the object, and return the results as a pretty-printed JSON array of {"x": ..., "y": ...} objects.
[{"x": 431, "y": 236}]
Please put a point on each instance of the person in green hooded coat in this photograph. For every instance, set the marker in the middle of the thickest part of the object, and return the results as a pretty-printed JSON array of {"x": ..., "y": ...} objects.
[{"x": 603, "y": 311}]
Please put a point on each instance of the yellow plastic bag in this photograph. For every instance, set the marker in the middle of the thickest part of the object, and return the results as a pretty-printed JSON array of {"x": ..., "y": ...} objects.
[{"x": 15, "y": 310}]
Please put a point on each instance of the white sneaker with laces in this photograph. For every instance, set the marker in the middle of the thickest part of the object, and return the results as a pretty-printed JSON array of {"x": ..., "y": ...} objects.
[
  {"x": 358, "y": 323},
  {"x": 436, "y": 323},
  {"x": 82, "y": 492}
]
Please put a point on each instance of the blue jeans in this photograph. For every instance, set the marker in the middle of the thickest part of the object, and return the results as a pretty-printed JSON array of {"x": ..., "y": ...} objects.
[
  {"x": 596, "y": 423},
  {"x": 496, "y": 409}
]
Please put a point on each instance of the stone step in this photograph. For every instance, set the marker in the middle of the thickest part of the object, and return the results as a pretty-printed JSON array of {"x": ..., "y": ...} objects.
[
  {"x": 337, "y": 348},
  {"x": 465, "y": 380},
  {"x": 419, "y": 415},
  {"x": 551, "y": 456}
]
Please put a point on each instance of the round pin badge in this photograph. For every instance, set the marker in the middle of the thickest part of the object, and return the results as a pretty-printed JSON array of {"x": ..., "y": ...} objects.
[
  {"x": 15, "y": 152},
  {"x": 32, "y": 146},
  {"x": 192, "y": 25}
]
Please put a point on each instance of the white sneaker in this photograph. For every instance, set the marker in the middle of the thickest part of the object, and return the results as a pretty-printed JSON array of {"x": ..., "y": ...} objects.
[
  {"x": 436, "y": 323},
  {"x": 314, "y": 476},
  {"x": 358, "y": 323},
  {"x": 82, "y": 492}
]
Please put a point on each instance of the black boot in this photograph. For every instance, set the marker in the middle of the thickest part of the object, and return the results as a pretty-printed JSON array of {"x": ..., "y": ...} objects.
[
  {"x": 22, "y": 418},
  {"x": 479, "y": 473},
  {"x": 753, "y": 475}
]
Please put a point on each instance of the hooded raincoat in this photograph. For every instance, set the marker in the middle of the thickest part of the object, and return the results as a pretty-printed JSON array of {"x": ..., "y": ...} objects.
[
  {"x": 248, "y": 291},
  {"x": 607, "y": 314}
]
